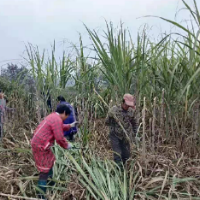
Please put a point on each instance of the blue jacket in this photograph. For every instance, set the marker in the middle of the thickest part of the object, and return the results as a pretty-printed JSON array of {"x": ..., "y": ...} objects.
[{"x": 70, "y": 119}]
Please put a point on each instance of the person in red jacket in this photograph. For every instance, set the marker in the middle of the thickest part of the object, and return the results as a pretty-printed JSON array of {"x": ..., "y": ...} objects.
[{"x": 49, "y": 130}]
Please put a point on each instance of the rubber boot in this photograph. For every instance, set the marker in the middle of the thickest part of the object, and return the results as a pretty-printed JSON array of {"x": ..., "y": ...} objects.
[
  {"x": 50, "y": 176},
  {"x": 42, "y": 185}
]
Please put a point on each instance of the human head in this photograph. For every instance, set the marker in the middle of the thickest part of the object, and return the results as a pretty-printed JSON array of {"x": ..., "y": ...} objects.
[
  {"x": 128, "y": 101},
  {"x": 64, "y": 111},
  {"x": 60, "y": 98}
]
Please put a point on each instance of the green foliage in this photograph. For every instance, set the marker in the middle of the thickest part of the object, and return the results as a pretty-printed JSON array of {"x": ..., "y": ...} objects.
[
  {"x": 116, "y": 57},
  {"x": 168, "y": 69}
]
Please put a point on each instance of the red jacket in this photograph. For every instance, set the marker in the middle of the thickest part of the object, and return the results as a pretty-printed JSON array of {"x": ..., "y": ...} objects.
[{"x": 49, "y": 130}]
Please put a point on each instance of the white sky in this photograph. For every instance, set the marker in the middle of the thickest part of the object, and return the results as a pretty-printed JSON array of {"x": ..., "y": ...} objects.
[{"x": 41, "y": 21}]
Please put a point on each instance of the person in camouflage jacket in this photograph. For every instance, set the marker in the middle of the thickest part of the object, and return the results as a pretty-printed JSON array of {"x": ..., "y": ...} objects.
[{"x": 118, "y": 138}]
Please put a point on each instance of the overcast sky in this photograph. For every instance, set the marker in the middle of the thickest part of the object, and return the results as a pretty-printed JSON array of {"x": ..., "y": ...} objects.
[{"x": 41, "y": 21}]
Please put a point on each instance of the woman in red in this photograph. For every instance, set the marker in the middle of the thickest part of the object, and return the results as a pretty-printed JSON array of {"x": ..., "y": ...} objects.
[{"x": 49, "y": 130}]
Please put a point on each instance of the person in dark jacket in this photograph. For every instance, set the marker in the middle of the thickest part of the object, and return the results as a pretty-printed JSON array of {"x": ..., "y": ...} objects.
[
  {"x": 2, "y": 112},
  {"x": 72, "y": 118}
]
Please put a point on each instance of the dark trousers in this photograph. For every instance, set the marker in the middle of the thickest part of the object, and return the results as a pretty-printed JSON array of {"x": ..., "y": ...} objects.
[
  {"x": 42, "y": 183},
  {"x": 121, "y": 149},
  {"x": 45, "y": 176},
  {"x": 70, "y": 137}
]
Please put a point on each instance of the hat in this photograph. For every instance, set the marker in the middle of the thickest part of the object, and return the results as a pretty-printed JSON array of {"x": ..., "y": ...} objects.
[{"x": 129, "y": 100}]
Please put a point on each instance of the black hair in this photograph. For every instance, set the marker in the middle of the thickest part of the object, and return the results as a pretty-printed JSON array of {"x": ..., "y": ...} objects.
[
  {"x": 60, "y": 98},
  {"x": 123, "y": 101},
  {"x": 63, "y": 108}
]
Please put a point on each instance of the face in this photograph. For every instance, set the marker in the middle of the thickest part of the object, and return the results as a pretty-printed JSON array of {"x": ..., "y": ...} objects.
[
  {"x": 125, "y": 106},
  {"x": 63, "y": 116}
]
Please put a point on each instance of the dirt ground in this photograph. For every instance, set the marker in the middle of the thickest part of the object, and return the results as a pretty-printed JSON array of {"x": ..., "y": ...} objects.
[{"x": 16, "y": 161}]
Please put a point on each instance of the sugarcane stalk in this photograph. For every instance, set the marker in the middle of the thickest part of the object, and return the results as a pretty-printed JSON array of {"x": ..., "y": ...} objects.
[
  {"x": 17, "y": 197},
  {"x": 153, "y": 124},
  {"x": 144, "y": 129},
  {"x": 162, "y": 114}
]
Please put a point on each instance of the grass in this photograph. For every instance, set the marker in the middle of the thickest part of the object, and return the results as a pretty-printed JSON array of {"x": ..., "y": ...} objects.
[{"x": 85, "y": 172}]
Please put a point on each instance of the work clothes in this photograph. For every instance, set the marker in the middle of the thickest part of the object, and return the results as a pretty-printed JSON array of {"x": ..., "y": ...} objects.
[
  {"x": 48, "y": 131},
  {"x": 2, "y": 115},
  {"x": 126, "y": 118},
  {"x": 119, "y": 141},
  {"x": 2, "y": 109},
  {"x": 72, "y": 118},
  {"x": 121, "y": 149}
]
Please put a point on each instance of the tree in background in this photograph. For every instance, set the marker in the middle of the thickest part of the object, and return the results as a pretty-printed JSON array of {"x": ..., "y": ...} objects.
[{"x": 21, "y": 75}]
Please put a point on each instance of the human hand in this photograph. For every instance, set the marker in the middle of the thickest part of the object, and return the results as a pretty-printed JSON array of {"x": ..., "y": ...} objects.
[
  {"x": 70, "y": 146},
  {"x": 73, "y": 124}
]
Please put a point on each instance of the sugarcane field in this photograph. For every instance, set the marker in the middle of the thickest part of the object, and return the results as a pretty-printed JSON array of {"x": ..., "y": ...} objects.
[{"x": 114, "y": 118}]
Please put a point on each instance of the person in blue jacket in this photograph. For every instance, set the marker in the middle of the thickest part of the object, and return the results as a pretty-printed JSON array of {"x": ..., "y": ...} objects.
[{"x": 72, "y": 118}]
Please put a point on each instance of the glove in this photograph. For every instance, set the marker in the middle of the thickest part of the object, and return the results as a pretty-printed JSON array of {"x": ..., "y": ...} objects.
[
  {"x": 73, "y": 124},
  {"x": 70, "y": 146}
]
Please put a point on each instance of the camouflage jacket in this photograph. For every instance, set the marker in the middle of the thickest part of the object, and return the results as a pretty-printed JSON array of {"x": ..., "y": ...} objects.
[{"x": 126, "y": 118}]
